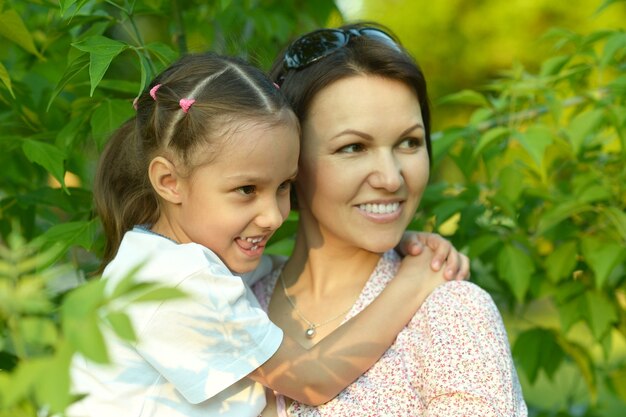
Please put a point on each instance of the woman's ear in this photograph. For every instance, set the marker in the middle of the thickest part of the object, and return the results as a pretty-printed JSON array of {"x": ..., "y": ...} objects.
[{"x": 164, "y": 180}]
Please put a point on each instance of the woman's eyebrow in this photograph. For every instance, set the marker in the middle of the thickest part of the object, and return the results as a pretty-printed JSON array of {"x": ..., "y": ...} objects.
[
  {"x": 353, "y": 132},
  {"x": 368, "y": 137},
  {"x": 417, "y": 125}
]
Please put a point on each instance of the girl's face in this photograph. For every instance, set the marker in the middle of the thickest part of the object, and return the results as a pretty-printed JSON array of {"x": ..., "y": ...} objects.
[
  {"x": 363, "y": 163},
  {"x": 235, "y": 203}
]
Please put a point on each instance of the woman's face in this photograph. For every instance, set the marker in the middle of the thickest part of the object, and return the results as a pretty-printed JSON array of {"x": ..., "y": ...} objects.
[{"x": 363, "y": 163}]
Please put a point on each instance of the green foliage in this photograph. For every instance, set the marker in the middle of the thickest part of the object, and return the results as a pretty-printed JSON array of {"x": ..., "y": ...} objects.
[
  {"x": 531, "y": 186},
  {"x": 534, "y": 187},
  {"x": 42, "y": 324}
]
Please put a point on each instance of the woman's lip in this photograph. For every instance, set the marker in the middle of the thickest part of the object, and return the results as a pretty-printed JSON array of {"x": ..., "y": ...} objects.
[{"x": 381, "y": 212}]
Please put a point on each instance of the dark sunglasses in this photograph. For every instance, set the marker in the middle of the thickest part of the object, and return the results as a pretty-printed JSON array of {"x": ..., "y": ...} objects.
[{"x": 319, "y": 44}]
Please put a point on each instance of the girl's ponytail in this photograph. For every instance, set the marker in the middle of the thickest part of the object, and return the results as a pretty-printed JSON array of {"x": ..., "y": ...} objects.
[{"x": 123, "y": 196}]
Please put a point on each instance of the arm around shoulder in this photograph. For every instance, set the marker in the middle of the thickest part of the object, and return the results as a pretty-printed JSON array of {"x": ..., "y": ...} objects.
[{"x": 317, "y": 375}]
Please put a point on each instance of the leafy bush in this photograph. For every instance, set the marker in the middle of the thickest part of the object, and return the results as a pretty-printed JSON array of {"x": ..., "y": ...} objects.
[{"x": 534, "y": 188}]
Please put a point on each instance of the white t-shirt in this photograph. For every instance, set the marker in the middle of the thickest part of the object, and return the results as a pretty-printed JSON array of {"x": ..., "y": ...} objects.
[{"x": 192, "y": 354}]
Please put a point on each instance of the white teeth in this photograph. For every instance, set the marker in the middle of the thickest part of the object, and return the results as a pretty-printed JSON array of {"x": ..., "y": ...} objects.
[
  {"x": 254, "y": 240},
  {"x": 379, "y": 208}
]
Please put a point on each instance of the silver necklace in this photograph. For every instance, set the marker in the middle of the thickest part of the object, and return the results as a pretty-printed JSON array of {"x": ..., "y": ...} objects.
[{"x": 310, "y": 332}]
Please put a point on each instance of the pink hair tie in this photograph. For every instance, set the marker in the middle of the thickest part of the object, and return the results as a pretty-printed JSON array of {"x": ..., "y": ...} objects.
[
  {"x": 185, "y": 103},
  {"x": 153, "y": 91}
]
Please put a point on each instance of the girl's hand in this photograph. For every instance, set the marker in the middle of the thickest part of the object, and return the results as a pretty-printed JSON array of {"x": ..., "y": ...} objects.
[{"x": 457, "y": 265}]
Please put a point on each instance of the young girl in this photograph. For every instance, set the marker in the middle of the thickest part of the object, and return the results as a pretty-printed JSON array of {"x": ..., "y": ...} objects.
[{"x": 192, "y": 188}]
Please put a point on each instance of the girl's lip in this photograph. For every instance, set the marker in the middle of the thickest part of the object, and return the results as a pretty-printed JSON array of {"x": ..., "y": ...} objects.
[{"x": 252, "y": 245}]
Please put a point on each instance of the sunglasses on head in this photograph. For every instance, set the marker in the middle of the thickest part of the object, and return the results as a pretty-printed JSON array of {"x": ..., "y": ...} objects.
[{"x": 319, "y": 44}]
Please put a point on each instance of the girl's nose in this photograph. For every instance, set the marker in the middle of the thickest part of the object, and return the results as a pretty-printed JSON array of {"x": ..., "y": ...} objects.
[{"x": 270, "y": 217}]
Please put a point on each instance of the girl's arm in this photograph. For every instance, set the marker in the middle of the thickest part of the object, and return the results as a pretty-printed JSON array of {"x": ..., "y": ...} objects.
[
  {"x": 317, "y": 375},
  {"x": 457, "y": 265}
]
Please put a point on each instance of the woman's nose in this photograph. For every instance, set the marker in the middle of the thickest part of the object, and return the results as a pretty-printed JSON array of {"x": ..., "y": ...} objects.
[{"x": 387, "y": 172}]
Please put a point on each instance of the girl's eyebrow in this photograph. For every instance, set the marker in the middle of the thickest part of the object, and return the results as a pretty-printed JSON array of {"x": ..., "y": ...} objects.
[{"x": 368, "y": 137}]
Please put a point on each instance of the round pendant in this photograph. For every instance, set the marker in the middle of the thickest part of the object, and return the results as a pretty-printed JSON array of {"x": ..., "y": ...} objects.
[{"x": 310, "y": 333}]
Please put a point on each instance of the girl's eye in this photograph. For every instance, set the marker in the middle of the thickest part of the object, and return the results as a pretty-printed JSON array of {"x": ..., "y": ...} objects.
[
  {"x": 410, "y": 143},
  {"x": 352, "y": 148},
  {"x": 246, "y": 189}
]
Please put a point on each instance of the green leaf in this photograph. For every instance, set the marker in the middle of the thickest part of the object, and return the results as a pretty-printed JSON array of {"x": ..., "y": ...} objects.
[
  {"x": 516, "y": 268},
  {"x": 618, "y": 218},
  {"x": 561, "y": 263},
  {"x": 489, "y": 137},
  {"x": 48, "y": 156},
  {"x": 481, "y": 244},
  {"x": 163, "y": 52},
  {"x": 13, "y": 28},
  {"x": 66, "y": 4},
  {"x": 79, "y": 317},
  {"x": 554, "y": 65},
  {"x": 560, "y": 212},
  {"x": 572, "y": 309},
  {"x": 101, "y": 50},
  {"x": 74, "y": 68},
  {"x": 22, "y": 379},
  {"x": 81, "y": 233},
  {"x": 535, "y": 141},
  {"x": 160, "y": 294},
  {"x": 107, "y": 117},
  {"x": 510, "y": 186},
  {"x": 583, "y": 126},
  {"x": 593, "y": 193},
  {"x": 38, "y": 331},
  {"x": 616, "y": 380},
  {"x": 583, "y": 362},
  {"x": 83, "y": 300},
  {"x": 122, "y": 325},
  {"x": 447, "y": 208},
  {"x": 470, "y": 97},
  {"x": 602, "y": 256},
  {"x": 6, "y": 79},
  {"x": 616, "y": 42},
  {"x": 448, "y": 138},
  {"x": 537, "y": 349},
  {"x": 53, "y": 385},
  {"x": 602, "y": 314}
]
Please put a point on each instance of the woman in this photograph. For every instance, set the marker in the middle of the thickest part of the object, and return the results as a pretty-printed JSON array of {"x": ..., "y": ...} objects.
[{"x": 364, "y": 165}]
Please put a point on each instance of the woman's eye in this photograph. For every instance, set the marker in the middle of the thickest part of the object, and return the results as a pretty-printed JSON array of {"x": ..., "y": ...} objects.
[
  {"x": 352, "y": 148},
  {"x": 246, "y": 189},
  {"x": 285, "y": 186},
  {"x": 410, "y": 143}
]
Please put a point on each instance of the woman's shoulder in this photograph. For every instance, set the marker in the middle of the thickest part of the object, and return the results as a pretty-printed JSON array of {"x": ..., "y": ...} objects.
[
  {"x": 460, "y": 301},
  {"x": 463, "y": 292}
]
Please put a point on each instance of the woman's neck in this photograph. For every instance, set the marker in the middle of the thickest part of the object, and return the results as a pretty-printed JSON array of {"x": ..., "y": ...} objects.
[{"x": 329, "y": 267}]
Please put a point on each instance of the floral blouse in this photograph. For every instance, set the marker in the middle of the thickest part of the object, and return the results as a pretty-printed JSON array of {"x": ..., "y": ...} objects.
[{"x": 453, "y": 358}]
